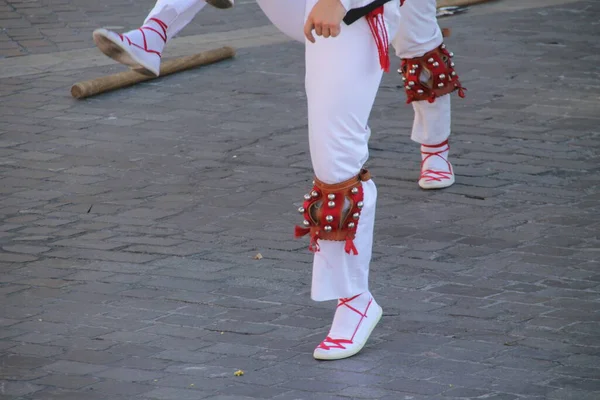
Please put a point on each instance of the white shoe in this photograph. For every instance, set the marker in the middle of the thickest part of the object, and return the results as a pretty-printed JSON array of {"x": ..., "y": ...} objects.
[
  {"x": 354, "y": 320},
  {"x": 220, "y": 3},
  {"x": 139, "y": 49},
  {"x": 436, "y": 170}
]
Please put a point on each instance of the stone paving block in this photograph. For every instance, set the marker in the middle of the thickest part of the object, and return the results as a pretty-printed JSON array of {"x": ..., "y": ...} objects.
[
  {"x": 490, "y": 285},
  {"x": 112, "y": 389},
  {"x": 176, "y": 394},
  {"x": 10, "y": 389},
  {"x": 129, "y": 375},
  {"x": 66, "y": 381},
  {"x": 74, "y": 368}
]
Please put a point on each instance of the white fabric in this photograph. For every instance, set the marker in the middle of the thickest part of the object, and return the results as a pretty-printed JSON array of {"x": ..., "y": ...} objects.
[
  {"x": 176, "y": 13},
  {"x": 417, "y": 34},
  {"x": 153, "y": 40},
  {"x": 346, "y": 320},
  {"x": 350, "y": 4},
  {"x": 339, "y": 105},
  {"x": 342, "y": 78}
]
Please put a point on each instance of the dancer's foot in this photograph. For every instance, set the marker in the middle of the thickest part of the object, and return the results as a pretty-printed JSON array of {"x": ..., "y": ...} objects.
[
  {"x": 436, "y": 170},
  {"x": 354, "y": 320},
  {"x": 139, "y": 49},
  {"x": 220, "y": 3}
]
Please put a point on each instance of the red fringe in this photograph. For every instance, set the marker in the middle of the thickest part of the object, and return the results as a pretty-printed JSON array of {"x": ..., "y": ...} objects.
[
  {"x": 350, "y": 248},
  {"x": 299, "y": 232},
  {"x": 377, "y": 25},
  {"x": 314, "y": 245}
]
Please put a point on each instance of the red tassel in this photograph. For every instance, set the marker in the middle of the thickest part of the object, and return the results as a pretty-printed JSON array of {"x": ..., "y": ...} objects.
[
  {"x": 350, "y": 248},
  {"x": 461, "y": 92},
  {"x": 377, "y": 25},
  {"x": 299, "y": 232},
  {"x": 314, "y": 245}
]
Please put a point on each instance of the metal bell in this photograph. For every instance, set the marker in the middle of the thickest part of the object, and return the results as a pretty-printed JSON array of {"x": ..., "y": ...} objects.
[
  {"x": 452, "y": 64},
  {"x": 355, "y": 190},
  {"x": 360, "y": 204},
  {"x": 453, "y": 73},
  {"x": 442, "y": 76},
  {"x": 331, "y": 196},
  {"x": 314, "y": 193},
  {"x": 430, "y": 60},
  {"x": 331, "y": 204},
  {"x": 301, "y": 210},
  {"x": 329, "y": 218},
  {"x": 307, "y": 196},
  {"x": 415, "y": 66},
  {"x": 436, "y": 64},
  {"x": 356, "y": 215},
  {"x": 411, "y": 83},
  {"x": 305, "y": 223},
  {"x": 403, "y": 79},
  {"x": 443, "y": 46},
  {"x": 420, "y": 91},
  {"x": 440, "y": 84},
  {"x": 406, "y": 87},
  {"x": 327, "y": 228},
  {"x": 351, "y": 225},
  {"x": 451, "y": 54}
]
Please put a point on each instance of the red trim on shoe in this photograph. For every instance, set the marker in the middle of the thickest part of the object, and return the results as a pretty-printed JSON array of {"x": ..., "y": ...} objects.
[
  {"x": 162, "y": 35},
  {"x": 338, "y": 343},
  {"x": 431, "y": 174}
]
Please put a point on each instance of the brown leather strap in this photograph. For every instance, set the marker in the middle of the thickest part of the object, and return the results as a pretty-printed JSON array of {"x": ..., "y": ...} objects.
[{"x": 363, "y": 176}]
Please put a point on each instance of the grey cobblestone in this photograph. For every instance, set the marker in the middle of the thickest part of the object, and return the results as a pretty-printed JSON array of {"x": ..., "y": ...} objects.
[{"x": 129, "y": 230}]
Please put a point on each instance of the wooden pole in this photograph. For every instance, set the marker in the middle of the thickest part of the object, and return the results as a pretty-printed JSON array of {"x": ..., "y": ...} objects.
[{"x": 104, "y": 84}]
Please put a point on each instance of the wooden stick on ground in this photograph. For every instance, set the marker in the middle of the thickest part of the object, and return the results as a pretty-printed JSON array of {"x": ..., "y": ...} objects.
[{"x": 92, "y": 87}]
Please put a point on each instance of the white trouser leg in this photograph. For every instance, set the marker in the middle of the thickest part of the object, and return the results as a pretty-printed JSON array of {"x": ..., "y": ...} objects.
[
  {"x": 419, "y": 33},
  {"x": 342, "y": 78},
  {"x": 175, "y": 13}
]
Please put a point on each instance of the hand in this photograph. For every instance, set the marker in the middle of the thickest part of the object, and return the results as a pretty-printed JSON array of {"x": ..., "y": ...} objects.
[{"x": 325, "y": 18}]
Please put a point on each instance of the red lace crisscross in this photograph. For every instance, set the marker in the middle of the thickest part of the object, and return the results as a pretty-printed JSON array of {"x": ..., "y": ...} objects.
[
  {"x": 162, "y": 35},
  {"x": 431, "y": 174},
  {"x": 331, "y": 343}
]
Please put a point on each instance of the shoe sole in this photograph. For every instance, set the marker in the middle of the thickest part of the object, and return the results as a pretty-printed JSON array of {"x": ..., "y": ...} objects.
[
  {"x": 437, "y": 185},
  {"x": 117, "y": 52},
  {"x": 342, "y": 355},
  {"x": 222, "y": 4}
]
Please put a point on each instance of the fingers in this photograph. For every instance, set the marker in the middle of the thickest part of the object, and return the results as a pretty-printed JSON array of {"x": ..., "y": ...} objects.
[
  {"x": 321, "y": 29},
  {"x": 308, "y": 28},
  {"x": 334, "y": 30}
]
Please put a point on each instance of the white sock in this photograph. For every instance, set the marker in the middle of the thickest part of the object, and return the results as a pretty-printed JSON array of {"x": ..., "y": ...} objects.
[
  {"x": 346, "y": 319},
  {"x": 153, "y": 34},
  {"x": 436, "y": 156}
]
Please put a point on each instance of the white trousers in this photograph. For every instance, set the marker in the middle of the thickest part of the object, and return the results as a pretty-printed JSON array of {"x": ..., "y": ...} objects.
[
  {"x": 342, "y": 78},
  {"x": 417, "y": 33}
]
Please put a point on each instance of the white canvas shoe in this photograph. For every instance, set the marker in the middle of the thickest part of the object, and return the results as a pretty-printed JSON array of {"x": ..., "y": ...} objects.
[
  {"x": 223, "y": 4},
  {"x": 139, "y": 49},
  {"x": 354, "y": 320},
  {"x": 436, "y": 170}
]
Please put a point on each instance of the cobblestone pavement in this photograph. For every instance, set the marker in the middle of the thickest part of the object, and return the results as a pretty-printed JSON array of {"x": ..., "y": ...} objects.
[{"x": 131, "y": 222}]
